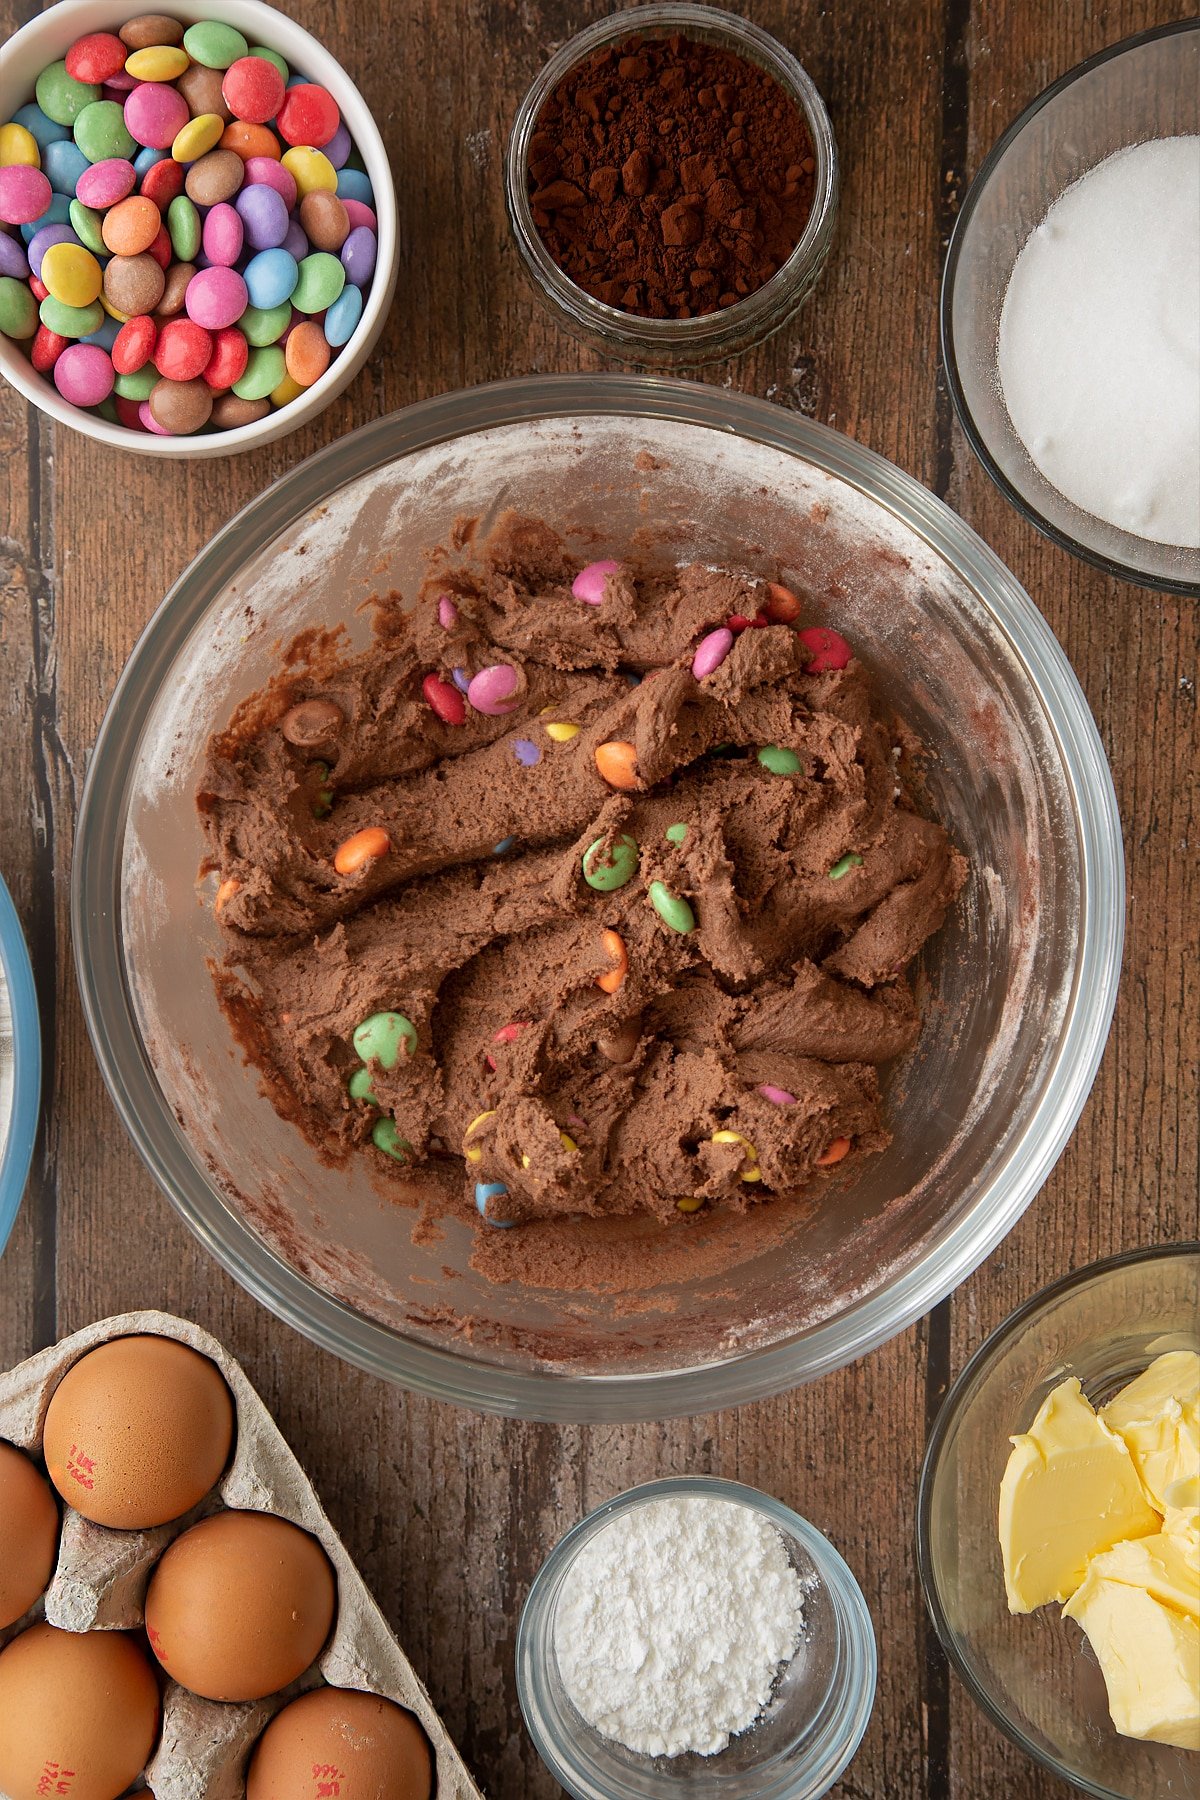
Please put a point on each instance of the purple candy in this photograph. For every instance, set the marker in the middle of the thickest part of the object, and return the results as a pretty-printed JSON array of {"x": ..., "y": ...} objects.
[
  {"x": 264, "y": 215},
  {"x": 41, "y": 241},
  {"x": 118, "y": 87},
  {"x": 526, "y": 752},
  {"x": 447, "y": 613},
  {"x": 339, "y": 146},
  {"x": 25, "y": 194},
  {"x": 495, "y": 690},
  {"x": 13, "y": 260},
  {"x": 264, "y": 171},
  {"x": 359, "y": 213},
  {"x": 590, "y": 582},
  {"x": 222, "y": 235},
  {"x": 155, "y": 114},
  {"x": 84, "y": 374},
  {"x": 461, "y": 679},
  {"x": 215, "y": 298},
  {"x": 358, "y": 256},
  {"x": 104, "y": 183},
  {"x": 296, "y": 242},
  {"x": 711, "y": 652}
]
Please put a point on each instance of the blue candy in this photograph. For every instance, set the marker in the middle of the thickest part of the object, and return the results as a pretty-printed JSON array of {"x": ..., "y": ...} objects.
[
  {"x": 354, "y": 184},
  {"x": 146, "y": 158},
  {"x": 343, "y": 316},
  {"x": 271, "y": 278},
  {"x": 106, "y": 337},
  {"x": 62, "y": 165},
  {"x": 57, "y": 213},
  {"x": 43, "y": 128},
  {"x": 491, "y": 1190}
]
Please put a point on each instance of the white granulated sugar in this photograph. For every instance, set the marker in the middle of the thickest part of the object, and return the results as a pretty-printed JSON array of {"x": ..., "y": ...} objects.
[
  {"x": 674, "y": 1621},
  {"x": 1099, "y": 345}
]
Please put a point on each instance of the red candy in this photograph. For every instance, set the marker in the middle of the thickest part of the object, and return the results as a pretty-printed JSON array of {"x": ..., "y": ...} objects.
[
  {"x": 129, "y": 413},
  {"x": 46, "y": 349},
  {"x": 231, "y": 353},
  {"x": 160, "y": 249},
  {"x": 96, "y": 58},
  {"x": 739, "y": 622},
  {"x": 445, "y": 700},
  {"x": 183, "y": 351},
  {"x": 38, "y": 289},
  {"x": 309, "y": 115},
  {"x": 162, "y": 182},
  {"x": 253, "y": 89},
  {"x": 827, "y": 649},
  {"x": 134, "y": 344}
]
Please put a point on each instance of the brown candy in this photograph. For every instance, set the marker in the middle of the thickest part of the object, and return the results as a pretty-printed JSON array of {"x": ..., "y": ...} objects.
[
  {"x": 231, "y": 410},
  {"x": 181, "y": 406},
  {"x": 201, "y": 88},
  {"x": 312, "y": 724},
  {"x": 619, "y": 1046},
  {"x": 174, "y": 288},
  {"x": 325, "y": 220},
  {"x": 214, "y": 178},
  {"x": 134, "y": 284},
  {"x": 150, "y": 28}
]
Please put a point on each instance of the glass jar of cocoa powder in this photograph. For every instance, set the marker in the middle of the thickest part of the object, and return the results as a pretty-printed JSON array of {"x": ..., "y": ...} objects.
[{"x": 592, "y": 284}]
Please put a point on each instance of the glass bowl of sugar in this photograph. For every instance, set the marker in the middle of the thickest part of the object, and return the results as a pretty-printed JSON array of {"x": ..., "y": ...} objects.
[
  {"x": 1071, "y": 310},
  {"x": 694, "y": 1636}
]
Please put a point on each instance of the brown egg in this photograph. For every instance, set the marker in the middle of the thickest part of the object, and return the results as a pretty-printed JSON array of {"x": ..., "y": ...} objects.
[
  {"x": 138, "y": 1431},
  {"x": 339, "y": 1741},
  {"x": 240, "y": 1605},
  {"x": 28, "y": 1534},
  {"x": 78, "y": 1714}
]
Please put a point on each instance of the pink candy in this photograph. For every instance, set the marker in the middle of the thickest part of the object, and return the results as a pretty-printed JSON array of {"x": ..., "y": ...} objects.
[
  {"x": 494, "y": 690},
  {"x": 104, "y": 183},
  {"x": 447, "y": 613},
  {"x": 84, "y": 374},
  {"x": 25, "y": 194},
  {"x": 150, "y": 423},
  {"x": 155, "y": 114},
  {"x": 215, "y": 298},
  {"x": 265, "y": 171},
  {"x": 711, "y": 652},
  {"x": 591, "y": 581},
  {"x": 223, "y": 234},
  {"x": 358, "y": 213},
  {"x": 827, "y": 649},
  {"x": 776, "y": 1095}
]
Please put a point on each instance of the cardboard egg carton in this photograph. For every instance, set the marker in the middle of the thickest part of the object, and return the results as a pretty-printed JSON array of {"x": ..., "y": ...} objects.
[{"x": 100, "y": 1579}]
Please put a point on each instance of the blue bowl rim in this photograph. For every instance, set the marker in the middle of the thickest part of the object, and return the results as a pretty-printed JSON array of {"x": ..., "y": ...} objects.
[{"x": 17, "y": 1154}]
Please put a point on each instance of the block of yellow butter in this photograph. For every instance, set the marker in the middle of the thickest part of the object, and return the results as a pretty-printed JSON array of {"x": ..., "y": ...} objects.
[
  {"x": 1140, "y": 1606},
  {"x": 1158, "y": 1417},
  {"x": 1070, "y": 1490}
]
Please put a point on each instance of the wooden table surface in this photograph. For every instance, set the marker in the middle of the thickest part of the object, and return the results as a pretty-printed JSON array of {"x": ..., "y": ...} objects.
[{"x": 448, "y": 1514}]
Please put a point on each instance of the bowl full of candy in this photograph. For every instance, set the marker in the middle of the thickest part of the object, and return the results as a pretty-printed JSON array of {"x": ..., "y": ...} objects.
[
  {"x": 598, "y": 898},
  {"x": 197, "y": 224}
]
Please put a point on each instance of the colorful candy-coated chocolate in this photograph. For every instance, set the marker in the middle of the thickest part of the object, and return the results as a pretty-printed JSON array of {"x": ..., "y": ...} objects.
[
  {"x": 101, "y": 132},
  {"x": 504, "y": 846},
  {"x": 495, "y": 690},
  {"x": 221, "y": 238},
  {"x": 310, "y": 170},
  {"x": 13, "y": 260},
  {"x": 711, "y": 652},
  {"x": 749, "y": 1170},
  {"x": 102, "y": 184},
  {"x": 689, "y": 1203},
  {"x": 844, "y": 864},
  {"x": 507, "y": 1034},
  {"x": 61, "y": 97},
  {"x": 19, "y": 146},
  {"x": 183, "y": 350},
  {"x": 228, "y": 361},
  {"x": 485, "y": 1193},
  {"x": 779, "y": 760},
  {"x": 271, "y": 278},
  {"x": 447, "y": 613},
  {"x": 341, "y": 321},
  {"x": 607, "y": 868},
  {"x": 472, "y": 1152},
  {"x": 155, "y": 114},
  {"x": 46, "y": 349},
  {"x": 445, "y": 700},
  {"x": 214, "y": 44},
  {"x": 738, "y": 622},
  {"x": 95, "y": 57},
  {"x": 387, "y": 1138},
  {"x": 134, "y": 345},
  {"x": 70, "y": 273},
  {"x": 826, "y": 649},
  {"x": 357, "y": 255},
  {"x": 361, "y": 849},
  {"x": 381, "y": 1038},
  {"x": 675, "y": 834},
  {"x": 253, "y": 89},
  {"x": 215, "y": 298},
  {"x": 614, "y": 948},
  {"x": 616, "y": 762},
  {"x": 359, "y": 1087},
  {"x": 561, "y": 731},
  {"x": 309, "y": 115},
  {"x": 781, "y": 605},
  {"x": 776, "y": 1095},
  {"x": 70, "y": 321},
  {"x": 527, "y": 753},
  {"x": 591, "y": 581},
  {"x": 265, "y": 369},
  {"x": 834, "y": 1152},
  {"x": 25, "y": 194},
  {"x": 671, "y": 908}
]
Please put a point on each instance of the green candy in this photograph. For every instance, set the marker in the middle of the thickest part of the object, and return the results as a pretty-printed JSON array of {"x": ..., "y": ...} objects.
[
  {"x": 214, "y": 45},
  {"x": 264, "y": 371},
  {"x": 183, "y": 228},
  {"x": 271, "y": 56},
  {"x": 360, "y": 1087},
  {"x": 320, "y": 281},
  {"x": 378, "y": 1039},
  {"x": 323, "y": 804},
  {"x": 844, "y": 864},
  {"x": 85, "y": 223},
  {"x": 676, "y": 833},
  {"x": 101, "y": 132},
  {"x": 18, "y": 309},
  {"x": 138, "y": 385},
  {"x": 671, "y": 909},
  {"x": 70, "y": 321},
  {"x": 605, "y": 873},
  {"x": 779, "y": 761},
  {"x": 385, "y": 1137},
  {"x": 108, "y": 411},
  {"x": 261, "y": 326},
  {"x": 61, "y": 97}
]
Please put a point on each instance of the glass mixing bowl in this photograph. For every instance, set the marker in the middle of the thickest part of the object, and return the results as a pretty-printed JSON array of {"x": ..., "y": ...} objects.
[
  {"x": 1021, "y": 980},
  {"x": 1034, "y": 1674}
]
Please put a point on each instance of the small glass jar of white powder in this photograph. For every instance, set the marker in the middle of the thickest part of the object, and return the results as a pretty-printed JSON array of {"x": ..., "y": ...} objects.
[{"x": 690, "y": 1629}]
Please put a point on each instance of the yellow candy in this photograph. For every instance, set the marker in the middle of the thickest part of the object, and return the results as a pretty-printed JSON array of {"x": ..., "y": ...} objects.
[
  {"x": 72, "y": 274},
  {"x": 689, "y": 1203},
  {"x": 159, "y": 62},
  {"x": 198, "y": 137},
  {"x": 562, "y": 734},
  {"x": 286, "y": 391},
  {"x": 18, "y": 147},
  {"x": 751, "y": 1172},
  {"x": 312, "y": 172},
  {"x": 474, "y": 1156}
]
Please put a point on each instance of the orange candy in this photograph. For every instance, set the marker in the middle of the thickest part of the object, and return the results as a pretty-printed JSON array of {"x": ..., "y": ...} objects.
[
  {"x": 617, "y": 763},
  {"x": 366, "y": 846},
  {"x": 131, "y": 226},
  {"x": 833, "y": 1153},
  {"x": 249, "y": 140},
  {"x": 307, "y": 354},
  {"x": 228, "y": 888},
  {"x": 782, "y": 607},
  {"x": 614, "y": 947}
]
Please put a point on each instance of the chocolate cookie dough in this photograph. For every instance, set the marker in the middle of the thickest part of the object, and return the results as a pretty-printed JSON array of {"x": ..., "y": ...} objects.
[{"x": 578, "y": 893}]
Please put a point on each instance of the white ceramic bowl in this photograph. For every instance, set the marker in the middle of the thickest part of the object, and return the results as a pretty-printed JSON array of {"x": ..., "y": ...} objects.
[{"x": 45, "y": 40}]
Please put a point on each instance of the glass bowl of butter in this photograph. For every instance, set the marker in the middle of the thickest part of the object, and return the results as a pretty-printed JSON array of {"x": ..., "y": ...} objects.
[{"x": 1058, "y": 1530}]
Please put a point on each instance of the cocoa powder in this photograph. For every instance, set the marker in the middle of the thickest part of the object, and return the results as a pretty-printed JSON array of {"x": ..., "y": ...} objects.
[{"x": 669, "y": 177}]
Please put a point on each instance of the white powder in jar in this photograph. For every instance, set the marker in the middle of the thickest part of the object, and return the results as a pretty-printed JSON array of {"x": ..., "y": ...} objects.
[
  {"x": 674, "y": 1622},
  {"x": 1099, "y": 347}
]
